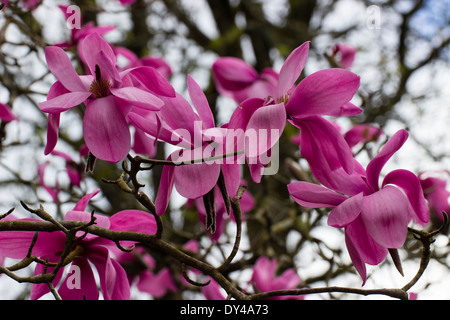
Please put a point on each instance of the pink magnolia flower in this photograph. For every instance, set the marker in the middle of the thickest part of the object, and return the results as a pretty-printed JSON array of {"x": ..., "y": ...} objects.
[
  {"x": 375, "y": 218},
  {"x": 436, "y": 193},
  {"x": 344, "y": 54},
  {"x": 107, "y": 94},
  {"x": 90, "y": 249},
  {"x": 196, "y": 134},
  {"x": 265, "y": 278},
  {"x": 325, "y": 92}
]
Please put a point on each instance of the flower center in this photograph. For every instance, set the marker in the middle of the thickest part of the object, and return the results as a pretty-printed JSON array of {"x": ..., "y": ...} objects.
[
  {"x": 284, "y": 99},
  {"x": 100, "y": 86}
]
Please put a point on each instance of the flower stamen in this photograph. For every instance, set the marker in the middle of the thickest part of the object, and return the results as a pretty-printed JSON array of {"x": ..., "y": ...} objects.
[{"x": 100, "y": 86}]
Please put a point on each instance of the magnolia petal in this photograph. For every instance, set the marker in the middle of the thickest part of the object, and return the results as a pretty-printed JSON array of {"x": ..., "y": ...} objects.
[
  {"x": 365, "y": 247},
  {"x": 64, "y": 102},
  {"x": 346, "y": 212},
  {"x": 232, "y": 176},
  {"x": 325, "y": 149},
  {"x": 410, "y": 184},
  {"x": 346, "y": 110},
  {"x": 133, "y": 221},
  {"x": 6, "y": 114},
  {"x": 144, "y": 144},
  {"x": 243, "y": 113},
  {"x": 232, "y": 74},
  {"x": 138, "y": 97},
  {"x": 60, "y": 65},
  {"x": 151, "y": 79},
  {"x": 323, "y": 93},
  {"x": 377, "y": 163},
  {"x": 213, "y": 291},
  {"x": 311, "y": 195},
  {"x": 362, "y": 133},
  {"x": 83, "y": 202},
  {"x": 15, "y": 244},
  {"x": 105, "y": 130},
  {"x": 151, "y": 124},
  {"x": 357, "y": 260},
  {"x": 291, "y": 69},
  {"x": 264, "y": 129},
  {"x": 289, "y": 279},
  {"x": 256, "y": 170},
  {"x": 262, "y": 88},
  {"x": 264, "y": 273},
  {"x": 156, "y": 284},
  {"x": 107, "y": 68},
  {"x": 113, "y": 278},
  {"x": 159, "y": 64},
  {"x": 165, "y": 189},
  {"x": 101, "y": 220},
  {"x": 385, "y": 215},
  {"x": 179, "y": 115},
  {"x": 89, "y": 50},
  {"x": 200, "y": 103},
  {"x": 52, "y": 132},
  {"x": 39, "y": 289},
  {"x": 195, "y": 180}
]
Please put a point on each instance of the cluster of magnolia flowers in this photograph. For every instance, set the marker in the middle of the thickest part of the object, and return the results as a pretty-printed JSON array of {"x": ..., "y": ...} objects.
[{"x": 375, "y": 215}]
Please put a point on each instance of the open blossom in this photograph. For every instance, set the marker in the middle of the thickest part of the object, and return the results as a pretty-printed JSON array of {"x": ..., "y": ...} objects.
[
  {"x": 196, "y": 134},
  {"x": 265, "y": 278},
  {"x": 325, "y": 92},
  {"x": 375, "y": 217},
  {"x": 107, "y": 94},
  {"x": 86, "y": 251}
]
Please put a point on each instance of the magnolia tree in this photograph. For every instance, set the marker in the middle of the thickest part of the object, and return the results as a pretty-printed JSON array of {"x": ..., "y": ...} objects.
[{"x": 147, "y": 156}]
